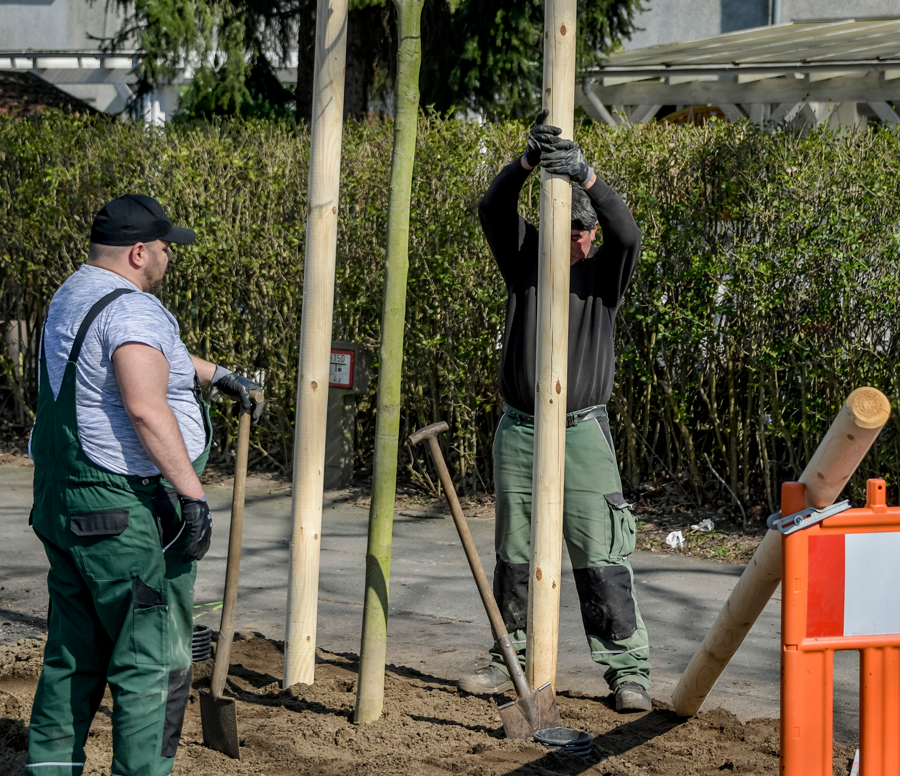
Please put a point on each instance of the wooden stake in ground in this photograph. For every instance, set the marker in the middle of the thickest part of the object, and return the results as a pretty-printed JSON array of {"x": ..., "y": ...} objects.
[
  {"x": 832, "y": 465},
  {"x": 315, "y": 340},
  {"x": 373, "y": 651},
  {"x": 552, "y": 354}
]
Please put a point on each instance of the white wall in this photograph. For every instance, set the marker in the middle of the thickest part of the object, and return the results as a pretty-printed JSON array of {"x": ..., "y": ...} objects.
[
  {"x": 676, "y": 21},
  {"x": 55, "y": 24},
  {"x": 799, "y": 10}
]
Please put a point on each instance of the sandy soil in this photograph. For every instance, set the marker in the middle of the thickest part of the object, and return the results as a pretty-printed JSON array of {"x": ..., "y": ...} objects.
[{"x": 428, "y": 728}]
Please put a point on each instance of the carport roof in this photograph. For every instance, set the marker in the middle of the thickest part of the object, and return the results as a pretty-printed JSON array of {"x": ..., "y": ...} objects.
[{"x": 799, "y": 46}]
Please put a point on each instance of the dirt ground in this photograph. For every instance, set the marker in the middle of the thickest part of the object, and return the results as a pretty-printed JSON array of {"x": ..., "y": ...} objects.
[{"x": 428, "y": 728}]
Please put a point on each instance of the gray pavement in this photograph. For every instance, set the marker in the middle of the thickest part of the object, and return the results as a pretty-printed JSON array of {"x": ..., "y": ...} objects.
[{"x": 437, "y": 624}]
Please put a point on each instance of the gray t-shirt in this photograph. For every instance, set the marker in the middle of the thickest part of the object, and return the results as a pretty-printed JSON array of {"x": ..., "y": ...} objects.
[{"x": 107, "y": 434}]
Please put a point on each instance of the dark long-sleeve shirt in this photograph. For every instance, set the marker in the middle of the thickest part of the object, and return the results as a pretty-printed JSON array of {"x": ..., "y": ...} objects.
[{"x": 596, "y": 287}]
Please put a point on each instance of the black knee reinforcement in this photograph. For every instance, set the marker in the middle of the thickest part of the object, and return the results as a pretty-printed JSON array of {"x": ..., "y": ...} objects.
[
  {"x": 176, "y": 704},
  {"x": 607, "y": 605},
  {"x": 511, "y": 592}
]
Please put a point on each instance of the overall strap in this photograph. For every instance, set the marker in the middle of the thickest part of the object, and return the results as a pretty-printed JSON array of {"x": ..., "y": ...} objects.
[{"x": 89, "y": 319}]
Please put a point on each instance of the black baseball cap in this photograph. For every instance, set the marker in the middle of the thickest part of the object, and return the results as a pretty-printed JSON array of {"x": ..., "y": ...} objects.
[{"x": 135, "y": 218}]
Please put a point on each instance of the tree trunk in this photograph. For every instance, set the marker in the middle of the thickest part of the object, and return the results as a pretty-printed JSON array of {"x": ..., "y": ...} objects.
[{"x": 370, "y": 689}]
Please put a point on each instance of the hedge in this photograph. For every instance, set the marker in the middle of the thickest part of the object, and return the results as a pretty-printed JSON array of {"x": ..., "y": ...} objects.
[{"x": 767, "y": 289}]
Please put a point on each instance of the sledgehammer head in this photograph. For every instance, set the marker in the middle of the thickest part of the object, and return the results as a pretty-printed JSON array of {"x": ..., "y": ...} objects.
[{"x": 429, "y": 431}]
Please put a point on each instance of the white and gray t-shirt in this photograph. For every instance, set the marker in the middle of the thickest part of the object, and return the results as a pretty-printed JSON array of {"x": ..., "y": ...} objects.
[{"x": 107, "y": 434}]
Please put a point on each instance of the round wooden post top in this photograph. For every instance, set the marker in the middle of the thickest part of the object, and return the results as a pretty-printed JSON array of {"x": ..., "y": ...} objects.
[{"x": 868, "y": 407}]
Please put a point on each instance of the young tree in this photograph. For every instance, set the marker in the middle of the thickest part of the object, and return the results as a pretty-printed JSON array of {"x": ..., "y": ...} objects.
[
  {"x": 484, "y": 55},
  {"x": 373, "y": 650}
]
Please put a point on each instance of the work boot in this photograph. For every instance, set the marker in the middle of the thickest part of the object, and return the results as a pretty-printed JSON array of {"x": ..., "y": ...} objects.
[
  {"x": 630, "y": 696},
  {"x": 487, "y": 681}
]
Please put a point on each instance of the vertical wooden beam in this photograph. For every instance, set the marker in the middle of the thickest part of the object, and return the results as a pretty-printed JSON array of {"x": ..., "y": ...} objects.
[
  {"x": 315, "y": 340},
  {"x": 552, "y": 353}
]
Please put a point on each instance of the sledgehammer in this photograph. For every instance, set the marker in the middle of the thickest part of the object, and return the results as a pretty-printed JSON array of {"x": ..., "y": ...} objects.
[{"x": 534, "y": 709}]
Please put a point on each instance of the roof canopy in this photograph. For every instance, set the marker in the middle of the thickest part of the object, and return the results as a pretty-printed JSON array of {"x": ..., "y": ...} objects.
[{"x": 835, "y": 62}]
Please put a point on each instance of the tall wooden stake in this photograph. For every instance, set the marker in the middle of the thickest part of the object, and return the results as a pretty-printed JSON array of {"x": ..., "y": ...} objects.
[
  {"x": 370, "y": 688},
  {"x": 552, "y": 353},
  {"x": 315, "y": 340}
]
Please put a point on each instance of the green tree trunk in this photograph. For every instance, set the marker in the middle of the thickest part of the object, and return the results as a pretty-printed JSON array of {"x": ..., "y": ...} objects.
[{"x": 370, "y": 688}]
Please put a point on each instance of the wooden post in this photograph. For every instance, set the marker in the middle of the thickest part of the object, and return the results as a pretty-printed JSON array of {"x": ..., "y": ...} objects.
[
  {"x": 373, "y": 650},
  {"x": 552, "y": 354},
  {"x": 315, "y": 340},
  {"x": 832, "y": 465}
]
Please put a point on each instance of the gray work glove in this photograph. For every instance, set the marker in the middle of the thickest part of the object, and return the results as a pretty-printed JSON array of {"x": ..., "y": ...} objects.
[
  {"x": 198, "y": 525},
  {"x": 565, "y": 158},
  {"x": 238, "y": 388},
  {"x": 540, "y": 139}
]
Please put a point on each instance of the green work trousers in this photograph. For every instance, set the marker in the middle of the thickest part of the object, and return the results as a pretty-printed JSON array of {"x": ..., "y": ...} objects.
[
  {"x": 120, "y": 605},
  {"x": 599, "y": 530}
]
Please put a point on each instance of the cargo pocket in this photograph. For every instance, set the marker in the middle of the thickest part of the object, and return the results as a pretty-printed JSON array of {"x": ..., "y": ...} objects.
[
  {"x": 103, "y": 555},
  {"x": 622, "y": 526},
  {"x": 102, "y": 522},
  {"x": 151, "y": 624}
]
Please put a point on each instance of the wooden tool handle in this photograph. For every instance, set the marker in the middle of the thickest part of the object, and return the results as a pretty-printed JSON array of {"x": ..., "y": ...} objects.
[
  {"x": 257, "y": 396},
  {"x": 484, "y": 590},
  {"x": 232, "y": 569}
]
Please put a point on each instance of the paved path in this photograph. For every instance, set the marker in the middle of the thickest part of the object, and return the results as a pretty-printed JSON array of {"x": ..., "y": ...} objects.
[{"x": 437, "y": 624}]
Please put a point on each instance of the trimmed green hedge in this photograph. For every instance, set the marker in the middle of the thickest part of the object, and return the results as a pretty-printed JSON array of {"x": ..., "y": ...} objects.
[{"x": 768, "y": 286}]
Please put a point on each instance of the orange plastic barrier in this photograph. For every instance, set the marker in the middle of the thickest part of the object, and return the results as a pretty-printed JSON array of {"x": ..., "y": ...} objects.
[{"x": 840, "y": 590}]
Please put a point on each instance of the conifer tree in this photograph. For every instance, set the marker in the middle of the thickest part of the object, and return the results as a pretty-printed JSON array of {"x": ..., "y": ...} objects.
[{"x": 482, "y": 55}]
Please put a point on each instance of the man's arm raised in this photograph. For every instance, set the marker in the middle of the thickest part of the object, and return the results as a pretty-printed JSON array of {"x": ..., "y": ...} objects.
[{"x": 142, "y": 372}]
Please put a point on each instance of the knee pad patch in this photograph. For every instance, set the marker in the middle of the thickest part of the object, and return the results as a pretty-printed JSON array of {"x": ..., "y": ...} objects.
[
  {"x": 511, "y": 592},
  {"x": 607, "y": 605},
  {"x": 176, "y": 703}
]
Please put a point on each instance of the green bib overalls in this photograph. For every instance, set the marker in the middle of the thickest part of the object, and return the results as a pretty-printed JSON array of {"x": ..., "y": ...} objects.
[{"x": 120, "y": 606}]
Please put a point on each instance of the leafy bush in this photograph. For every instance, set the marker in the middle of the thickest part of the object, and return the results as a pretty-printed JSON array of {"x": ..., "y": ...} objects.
[{"x": 767, "y": 288}]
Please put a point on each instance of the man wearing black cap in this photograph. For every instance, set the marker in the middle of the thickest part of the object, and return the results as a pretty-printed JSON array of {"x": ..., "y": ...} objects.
[
  {"x": 598, "y": 526},
  {"x": 120, "y": 437}
]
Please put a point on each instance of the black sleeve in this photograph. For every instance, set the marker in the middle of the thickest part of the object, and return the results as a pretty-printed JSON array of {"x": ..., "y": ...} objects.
[
  {"x": 618, "y": 255},
  {"x": 505, "y": 230}
]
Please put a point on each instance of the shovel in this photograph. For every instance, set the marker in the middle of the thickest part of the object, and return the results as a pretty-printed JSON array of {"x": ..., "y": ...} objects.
[
  {"x": 533, "y": 710},
  {"x": 218, "y": 714}
]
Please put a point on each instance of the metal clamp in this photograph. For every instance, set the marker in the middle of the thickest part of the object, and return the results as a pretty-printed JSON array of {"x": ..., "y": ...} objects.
[{"x": 805, "y": 518}]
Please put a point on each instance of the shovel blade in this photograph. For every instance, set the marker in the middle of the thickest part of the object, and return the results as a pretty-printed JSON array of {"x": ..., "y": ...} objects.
[
  {"x": 523, "y": 716},
  {"x": 219, "y": 719}
]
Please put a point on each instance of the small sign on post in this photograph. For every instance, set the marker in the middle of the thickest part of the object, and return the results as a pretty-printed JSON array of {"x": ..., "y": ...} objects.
[{"x": 340, "y": 373}]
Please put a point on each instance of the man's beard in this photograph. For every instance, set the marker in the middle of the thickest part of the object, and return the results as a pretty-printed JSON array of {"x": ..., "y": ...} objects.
[{"x": 155, "y": 287}]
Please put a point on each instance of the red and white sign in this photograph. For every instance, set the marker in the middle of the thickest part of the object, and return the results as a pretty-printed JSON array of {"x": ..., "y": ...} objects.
[
  {"x": 854, "y": 581},
  {"x": 340, "y": 371}
]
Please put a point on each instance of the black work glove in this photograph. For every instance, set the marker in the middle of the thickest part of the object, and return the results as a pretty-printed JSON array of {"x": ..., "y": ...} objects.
[
  {"x": 239, "y": 388},
  {"x": 565, "y": 158},
  {"x": 198, "y": 525},
  {"x": 540, "y": 139}
]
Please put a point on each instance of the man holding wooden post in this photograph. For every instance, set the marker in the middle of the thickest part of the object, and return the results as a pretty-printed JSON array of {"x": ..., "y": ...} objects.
[{"x": 598, "y": 525}]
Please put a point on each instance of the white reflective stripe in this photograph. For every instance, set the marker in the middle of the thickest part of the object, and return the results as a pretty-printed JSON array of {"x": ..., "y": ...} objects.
[
  {"x": 48, "y": 765},
  {"x": 618, "y": 651},
  {"x": 180, "y": 531},
  {"x": 871, "y": 575}
]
